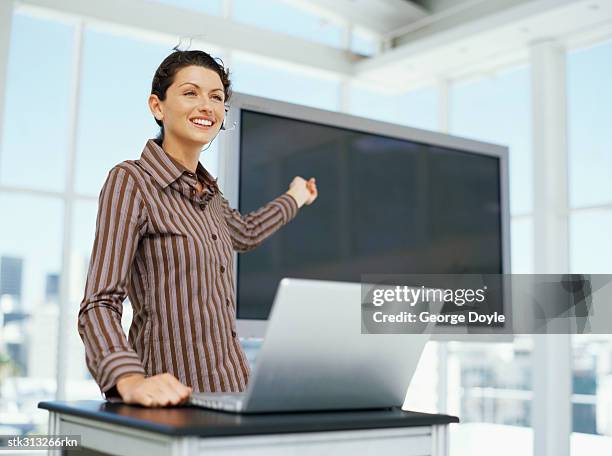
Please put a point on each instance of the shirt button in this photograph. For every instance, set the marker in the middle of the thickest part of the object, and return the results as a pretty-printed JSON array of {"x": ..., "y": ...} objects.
[
  {"x": 222, "y": 268},
  {"x": 202, "y": 205},
  {"x": 227, "y": 301},
  {"x": 234, "y": 334},
  {"x": 214, "y": 236}
]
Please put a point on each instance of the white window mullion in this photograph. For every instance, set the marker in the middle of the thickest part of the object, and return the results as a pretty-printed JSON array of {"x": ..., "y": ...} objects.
[
  {"x": 66, "y": 320},
  {"x": 6, "y": 19},
  {"x": 550, "y": 158},
  {"x": 552, "y": 387}
]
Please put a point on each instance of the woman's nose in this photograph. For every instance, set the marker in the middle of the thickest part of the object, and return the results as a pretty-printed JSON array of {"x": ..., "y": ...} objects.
[{"x": 205, "y": 104}]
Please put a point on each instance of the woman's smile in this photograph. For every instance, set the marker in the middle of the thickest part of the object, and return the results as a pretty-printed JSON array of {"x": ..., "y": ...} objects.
[{"x": 202, "y": 122}]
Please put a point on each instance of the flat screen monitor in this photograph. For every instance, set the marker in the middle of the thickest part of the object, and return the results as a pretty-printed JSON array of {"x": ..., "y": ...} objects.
[{"x": 392, "y": 200}]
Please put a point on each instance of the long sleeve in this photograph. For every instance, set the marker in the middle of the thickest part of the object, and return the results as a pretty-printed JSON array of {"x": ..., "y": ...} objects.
[
  {"x": 121, "y": 222},
  {"x": 250, "y": 230}
]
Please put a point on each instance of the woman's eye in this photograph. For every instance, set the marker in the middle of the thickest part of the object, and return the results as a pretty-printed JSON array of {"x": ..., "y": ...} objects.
[
  {"x": 218, "y": 97},
  {"x": 191, "y": 92}
]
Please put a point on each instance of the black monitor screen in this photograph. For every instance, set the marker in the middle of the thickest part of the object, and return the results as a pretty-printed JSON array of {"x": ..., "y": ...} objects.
[{"x": 385, "y": 205}]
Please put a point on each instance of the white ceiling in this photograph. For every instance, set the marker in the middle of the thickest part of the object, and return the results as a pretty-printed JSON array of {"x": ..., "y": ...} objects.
[
  {"x": 431, "y": 40},
  {"x": 482, "y": 42}
]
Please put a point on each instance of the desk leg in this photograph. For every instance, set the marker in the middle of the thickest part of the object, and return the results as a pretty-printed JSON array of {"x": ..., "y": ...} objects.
[
  {"x": 54, "y": 430},
  {"x": 439, "y": 434},
  {"x": 183, "y": 446}
]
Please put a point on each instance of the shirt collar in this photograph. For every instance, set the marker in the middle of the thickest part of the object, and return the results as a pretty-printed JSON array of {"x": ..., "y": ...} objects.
[{"x": 165, "y": 169}]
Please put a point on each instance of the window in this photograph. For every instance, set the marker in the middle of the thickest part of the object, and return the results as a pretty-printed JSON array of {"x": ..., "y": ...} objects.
[
  {"x": 590, "y": 161},
  {"x": 498, "y": 110},
  {"x": 114, "y": 118},
  {"x": 416, "y": 108},
  {"x": 280, "y": 82},
  {"x": 491, "y": 381},
  {"x": 590, "y": 247},
  {"x": 490, "y": 387},
  {"x": 592, "y": 385},
  {"x": 589, "y": 104},
  {"x": 366, "y": 101},
  {"x": 29, "y": 292},
  {"x": 419, "y": 109},
  {"x": 282, "y": 17},
  {"x": 36, "y": 130},
  {"x": 34, "y": 149}
]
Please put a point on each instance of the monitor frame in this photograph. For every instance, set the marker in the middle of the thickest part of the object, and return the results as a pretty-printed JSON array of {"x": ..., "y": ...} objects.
[{"x": 229, "y": 169}]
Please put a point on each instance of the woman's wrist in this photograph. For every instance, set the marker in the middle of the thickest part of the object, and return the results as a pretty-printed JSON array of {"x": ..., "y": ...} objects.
[
  {"x": 300, "y": 200},
  {"x": 126, "y": 379}
]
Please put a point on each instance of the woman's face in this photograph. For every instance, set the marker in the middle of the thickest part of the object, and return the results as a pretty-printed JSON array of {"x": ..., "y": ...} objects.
[{"x": 193, "y": 101}]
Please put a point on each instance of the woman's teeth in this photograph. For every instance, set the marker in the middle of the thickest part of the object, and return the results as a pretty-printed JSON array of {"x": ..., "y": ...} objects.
[{"x": 206, "y": 123}]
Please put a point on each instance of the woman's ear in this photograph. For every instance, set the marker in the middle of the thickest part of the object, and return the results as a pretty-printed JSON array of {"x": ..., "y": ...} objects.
[{"x": 156, "y": 107}]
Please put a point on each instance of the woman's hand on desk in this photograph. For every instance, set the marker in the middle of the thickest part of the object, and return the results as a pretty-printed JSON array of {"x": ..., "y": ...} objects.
[
  {"x": 158, "y": 390},
  {"x": 303, "y": 191}
]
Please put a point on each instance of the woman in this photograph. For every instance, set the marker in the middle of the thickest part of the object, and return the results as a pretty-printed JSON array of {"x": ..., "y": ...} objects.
[{"x": 165, "y": 237}]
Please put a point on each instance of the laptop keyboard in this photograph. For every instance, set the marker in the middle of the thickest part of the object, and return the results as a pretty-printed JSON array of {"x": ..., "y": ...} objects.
[
  {"x": 218, "y": 401},
  {"x": 217, "y": 397}
]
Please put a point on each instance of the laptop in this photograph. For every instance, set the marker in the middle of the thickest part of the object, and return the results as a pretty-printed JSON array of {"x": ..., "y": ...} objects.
[{"x": 314, "y": 356}]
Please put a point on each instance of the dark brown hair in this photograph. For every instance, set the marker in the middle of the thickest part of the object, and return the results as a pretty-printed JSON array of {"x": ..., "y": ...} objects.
[{"x": 164, "y": 75}]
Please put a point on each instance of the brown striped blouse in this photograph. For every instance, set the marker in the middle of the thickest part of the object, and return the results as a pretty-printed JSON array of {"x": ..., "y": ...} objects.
[{"x": 170, "y": 250}]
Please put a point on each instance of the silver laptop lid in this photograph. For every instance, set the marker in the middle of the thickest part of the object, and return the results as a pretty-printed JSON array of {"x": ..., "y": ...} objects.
[{"x": 314, "y": 356}]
